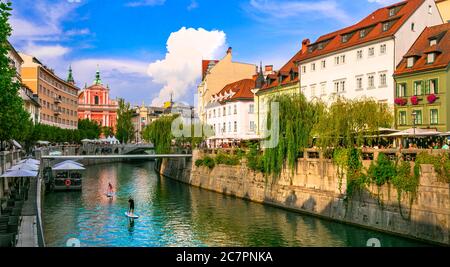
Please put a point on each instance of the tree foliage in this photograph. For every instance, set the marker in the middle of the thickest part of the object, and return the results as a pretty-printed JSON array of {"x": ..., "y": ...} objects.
[
  {"x": 347, "y": 122},
  {"x": 89, "y": 129},
  {"x": 125, "y": 130},
  {"x": 159, "y": 133},
  {"x": 15, "y": 121}
]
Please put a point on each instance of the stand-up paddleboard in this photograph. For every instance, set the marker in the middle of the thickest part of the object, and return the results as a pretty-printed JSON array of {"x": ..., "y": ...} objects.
[
  {"x": 109, "y": 194},
  {"x": 134, "y": 216}
]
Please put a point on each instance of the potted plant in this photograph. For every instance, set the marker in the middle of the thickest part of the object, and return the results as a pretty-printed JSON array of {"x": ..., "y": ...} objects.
[
  {"x": 400, "y": 101},
  {"x": 414, "y": 100},
  {"x": 431, "y": 98}
]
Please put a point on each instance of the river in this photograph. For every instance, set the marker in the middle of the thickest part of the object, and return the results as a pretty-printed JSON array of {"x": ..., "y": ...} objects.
[{"x": 175, "y": 214}]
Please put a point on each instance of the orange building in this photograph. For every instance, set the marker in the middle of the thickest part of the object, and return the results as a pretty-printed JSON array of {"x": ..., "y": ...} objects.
[
  {"x": 94, "y": 104},
  {"x": 58, "y": 98}
]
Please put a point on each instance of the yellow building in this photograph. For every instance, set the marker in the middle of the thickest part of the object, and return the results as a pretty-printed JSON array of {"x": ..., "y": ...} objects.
[
  {"x": 444, "y": 9},
  {"x": 218, "y": 73},
  {"x": 57, "y": 97},
  {"x": 284, "y": 81}
]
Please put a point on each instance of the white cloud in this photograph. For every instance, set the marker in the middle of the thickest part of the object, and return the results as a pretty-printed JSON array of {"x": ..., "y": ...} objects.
[
  {"x": 384, "y": 2},
  {"x": 193, "y": 5},
  {"x": 180, "y": 70},
  {"x": 46, "y": 53},
  {"x": 281, "y": 10},
  {"x": 146, "y": 3}
]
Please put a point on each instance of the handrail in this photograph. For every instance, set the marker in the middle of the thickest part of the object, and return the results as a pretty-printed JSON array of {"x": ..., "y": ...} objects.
[
  {"x": 40, "y": 231},
  {"x": 155, "y": 156}
]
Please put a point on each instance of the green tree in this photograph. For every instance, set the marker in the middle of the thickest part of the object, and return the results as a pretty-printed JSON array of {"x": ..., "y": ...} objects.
[
  {"x": 89, "y": 129},
  {"x": 107, "y": 131},
  {"x": 15, "y": 122},
  {"x": 125, "y": 129},
  {"x": 159, "y": 133}
]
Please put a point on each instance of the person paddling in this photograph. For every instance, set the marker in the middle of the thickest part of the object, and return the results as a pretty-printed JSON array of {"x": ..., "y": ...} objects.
[
  {"x": 131, "y": 206},
  {"x": 110, "y": 189}
]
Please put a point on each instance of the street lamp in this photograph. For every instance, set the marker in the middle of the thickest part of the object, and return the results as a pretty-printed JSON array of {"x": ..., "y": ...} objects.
[{"x": 414, "y": 115}]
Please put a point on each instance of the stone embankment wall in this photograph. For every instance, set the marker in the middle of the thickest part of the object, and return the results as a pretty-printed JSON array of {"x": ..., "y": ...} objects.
[{"x": 313, "y": 188}]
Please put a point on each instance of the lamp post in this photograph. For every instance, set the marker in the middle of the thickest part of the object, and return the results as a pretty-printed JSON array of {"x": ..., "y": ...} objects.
[{"x": 414, "y": 114}]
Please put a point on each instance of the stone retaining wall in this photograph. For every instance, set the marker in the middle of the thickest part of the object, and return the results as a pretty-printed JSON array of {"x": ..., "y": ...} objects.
[{"x": 313, "y": 188}]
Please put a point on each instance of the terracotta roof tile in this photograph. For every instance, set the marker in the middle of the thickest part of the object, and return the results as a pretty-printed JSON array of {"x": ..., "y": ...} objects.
[
  {"x": 286, "y": 72},
  {"x": 422, "y": 46},
  {"x": 374, "y": 22},
  {"x": 242, "y": 90},
  {"x": 205, "y": 64}
]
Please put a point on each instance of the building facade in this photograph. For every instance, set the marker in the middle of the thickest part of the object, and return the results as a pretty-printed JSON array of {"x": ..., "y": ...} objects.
[
  {"x": 359, "y": 61},
  {"x": 218, "y": 73},
  {"x": 444, "y": 9},
  {"x": 96, "y": 105},
  {"x": 58, "y": 98},
  {"x": 30, "y": 100},
  {"x": 143, "y": 116},
  {"x": 284, "y": 81},
  {"x": 231, "y": 114},
  {"x": 422, "y": 80}
]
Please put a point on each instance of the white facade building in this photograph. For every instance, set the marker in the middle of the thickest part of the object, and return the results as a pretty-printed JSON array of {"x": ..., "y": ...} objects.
[
  {"x": 231, "y": 114},
  {"x": 360, "y": 60}
]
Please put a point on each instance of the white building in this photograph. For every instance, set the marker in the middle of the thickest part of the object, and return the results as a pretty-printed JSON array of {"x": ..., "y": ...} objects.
[
  {"x": 231, "y": 113},
  {"x": 360, "y": 60}
]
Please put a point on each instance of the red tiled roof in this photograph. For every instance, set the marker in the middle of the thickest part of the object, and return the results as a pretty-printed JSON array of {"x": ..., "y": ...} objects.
[
  {"x": 374, "y": 22},
  {"x": 285, "y": 71},
  {"x": 205, "y": 64},
  {"x": 422, "y": 46},
  {"x": 242, "y": 90}
]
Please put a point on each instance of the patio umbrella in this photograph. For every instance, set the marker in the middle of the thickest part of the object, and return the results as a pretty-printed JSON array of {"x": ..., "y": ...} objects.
[
  {"x": 68, "y": 161},
  {"x": 20, "y": 173},
  {"x": 68, "y": 166},
  {"x": 30, "y": 161},
  {"x": 24, "y": 166}
]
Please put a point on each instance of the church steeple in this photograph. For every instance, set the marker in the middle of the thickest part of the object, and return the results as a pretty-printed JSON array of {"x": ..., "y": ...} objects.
[
  {"x": 260, "y": 80},
  {"x": 98, "y": 80},
  {"x": 70, "y": 78}
]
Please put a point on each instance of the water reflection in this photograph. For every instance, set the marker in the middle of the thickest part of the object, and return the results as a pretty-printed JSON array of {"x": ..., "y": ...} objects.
[{"x": 174, "y": 214}]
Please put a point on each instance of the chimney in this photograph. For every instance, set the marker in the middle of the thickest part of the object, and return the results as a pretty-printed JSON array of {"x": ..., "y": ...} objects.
[
  {"x": 305, "y": 44},
  {"x": 230, "y": 49},
  {"x": 268, "y": 68}
]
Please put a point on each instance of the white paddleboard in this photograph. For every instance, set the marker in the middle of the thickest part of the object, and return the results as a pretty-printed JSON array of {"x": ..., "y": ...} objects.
[
  {"x": 134, "y": 216},
  {"x": 109, "y": 194}
]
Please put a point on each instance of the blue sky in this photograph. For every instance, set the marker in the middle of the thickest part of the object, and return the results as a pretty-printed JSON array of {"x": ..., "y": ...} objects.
[{"x": 147, "y": 49}]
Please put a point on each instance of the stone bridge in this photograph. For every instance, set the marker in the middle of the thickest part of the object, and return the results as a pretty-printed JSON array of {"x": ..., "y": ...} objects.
[{"x": 128, "y": 149}]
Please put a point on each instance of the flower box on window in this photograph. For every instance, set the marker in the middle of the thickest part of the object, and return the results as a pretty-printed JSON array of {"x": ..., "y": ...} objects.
[
  {"x": 400, "y": 101},
  {"x": 432, "y": 98},
  {"x": 415, "y": 100}
]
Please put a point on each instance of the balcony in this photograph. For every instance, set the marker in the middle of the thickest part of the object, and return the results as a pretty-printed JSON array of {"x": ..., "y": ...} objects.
[
  {"x": 57, "y": 112},
  {"x": 57, "y": 100}
]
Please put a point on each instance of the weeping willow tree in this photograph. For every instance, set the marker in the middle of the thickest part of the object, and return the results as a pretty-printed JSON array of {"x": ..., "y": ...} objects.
[
  {"x": 297, "y": 117},
  {"x": 350, "y": 122},
  {"x": 160, "y": 134}
]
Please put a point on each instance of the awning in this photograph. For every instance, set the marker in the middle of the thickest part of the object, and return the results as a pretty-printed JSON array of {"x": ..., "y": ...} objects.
[
  {"x": 415, "y": 132},
  {"x": 16, "y": 144},
  {"x": 20, "y": 173},
  {"x": 68, "y": 167},
  {"x": 30, "y": 161},
  {"x": 68, "y": 161}
]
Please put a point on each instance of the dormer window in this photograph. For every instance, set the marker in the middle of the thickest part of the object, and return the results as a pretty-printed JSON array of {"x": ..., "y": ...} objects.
[
  {"x": 410, "y": 62},
  {"x": 433, "y": 42},
  {"x": 385, "y": 26},
  {"x": 362, "y": 33},
  {"x": 391, "y": 12},
  {"x": 320, "y": 46},
  {"x": 345, "y": 38},
  {"x": 430, "y": 58}
]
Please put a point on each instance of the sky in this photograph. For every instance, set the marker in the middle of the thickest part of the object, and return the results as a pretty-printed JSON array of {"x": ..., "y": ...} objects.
[{"x": 147, "y": 50}]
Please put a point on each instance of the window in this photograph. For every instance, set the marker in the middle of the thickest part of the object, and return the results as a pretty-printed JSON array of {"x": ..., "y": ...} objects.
[
  {"x": 434, "y": 116},
  {"x": 402, "y": 118},
  {"x": 418, "y": 85},
  {"x": 359, "y": 84},
  {"x": 252, "y": 126},
  {"x": 362, "y": 33},
  {"x": 342, "y": 83},
  {"x": 313, "y": 90},
  {"x": 224, "y": 129},
  {"x": 386, "y": 26},
  {"x": 345, "y": 38},
  {"x": 224, "y": 111},
  {"x": 412, "y": 26},
  {"x": 401, "y": 90},
  {"x": 96, "y": 100},
  {"x": 336, "y": 60},
  {"x": 433, "y": 42},
  {"x": 251, "y": 109},
  {"x": 383, "y": 81},
  {"x": 371, "y": 52},
  {"x": 430, "y": 58},
  {"x": 214, "y": 113},
  {"x": 303, "y": 69},
  {"x": 313, "y": 66},
  {"x": 383, "y": 49},
  {"x": 410, "y": 62},
  {"x": 229, "y": 127},
  {"x": 359, "y": 54},
  {"x": 432, "y": 86},
  {"x": 235, "y": 126},
  {"x": 430, "y": 9},
  {"x": 417, "y": 117},
  {"x": 229, "y": 110},
  {"x": 336, "y": 87},
  {"x": 322, "y": 88},
  {"x": 391, "y": 12},
  {"x": 343, "y": 59},
  {"x": 235, "y": 109},
  {"x": 323, "y": 64},
  {"x": 371, "y": 81}
]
